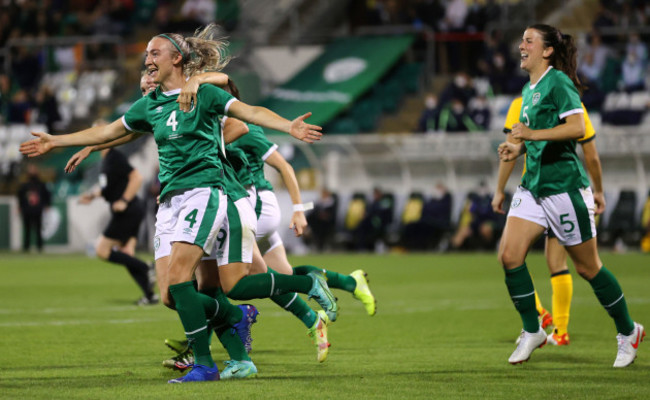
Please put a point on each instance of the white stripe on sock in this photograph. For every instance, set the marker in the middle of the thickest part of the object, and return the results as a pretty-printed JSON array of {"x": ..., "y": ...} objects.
[
  {"x": 196, "y": 331},
  {"x": 523, "y": 295},
  {"x": 292, "y": 300},
  {"x": 272, "y": 285},
  {"x": 616, "y": 301}
]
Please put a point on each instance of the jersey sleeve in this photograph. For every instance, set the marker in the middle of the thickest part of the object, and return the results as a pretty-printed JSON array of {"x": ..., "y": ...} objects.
[
  {"x": 566, "y": 97},
  {"x": 590, "y": 132},
  {"x": 255, "y": 142},
  {"x": 135, "y": 118},
  {"x": 217, "y": 99},
  {"x": 513, "y": 115}
]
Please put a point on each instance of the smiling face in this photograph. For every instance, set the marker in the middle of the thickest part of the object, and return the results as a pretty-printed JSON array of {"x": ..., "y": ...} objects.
[
  {"x": 160, "y": 59},
  {"x": 534, "y": 56},
  {"x": 147, "y": 85}
]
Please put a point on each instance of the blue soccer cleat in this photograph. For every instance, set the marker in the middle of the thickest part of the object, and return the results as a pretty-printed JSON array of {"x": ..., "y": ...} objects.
[
  {"x": 239, "y": 370},
  {"x": 322, "y": 294},
  {"x": 199, "y": 373},
  {"x": 243, "y": 327}
]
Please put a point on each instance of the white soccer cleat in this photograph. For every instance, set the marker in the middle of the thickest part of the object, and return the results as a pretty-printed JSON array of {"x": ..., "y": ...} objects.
[
  {"x": 527, "y": 343},
  {"x": 628, "y": 345}
]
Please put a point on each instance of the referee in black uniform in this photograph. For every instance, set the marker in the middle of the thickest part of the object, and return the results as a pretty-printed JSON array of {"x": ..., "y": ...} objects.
[{"x": 119, "y": 183}]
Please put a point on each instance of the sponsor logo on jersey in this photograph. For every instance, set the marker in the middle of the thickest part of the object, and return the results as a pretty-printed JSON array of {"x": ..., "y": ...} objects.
[
  {"x": 187, "y": 231},
  {"x": 515, "y": 203},
  {"x": 159, "y": 109},
  {"x": 536, "y": 97}
]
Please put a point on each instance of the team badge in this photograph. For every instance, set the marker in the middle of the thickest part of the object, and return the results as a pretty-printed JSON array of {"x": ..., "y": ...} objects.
[
  {"x": 515, "y": 203},
  {"x": 156, "y": 243},
  {"x": 536, "y": 97}
]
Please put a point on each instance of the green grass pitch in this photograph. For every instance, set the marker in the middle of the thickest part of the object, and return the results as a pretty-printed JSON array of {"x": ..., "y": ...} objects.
[{"x": 444, "y": 330}]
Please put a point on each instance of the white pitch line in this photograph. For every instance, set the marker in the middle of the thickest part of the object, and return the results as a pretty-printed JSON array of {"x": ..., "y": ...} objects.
[{"x": 81, "y": 322}]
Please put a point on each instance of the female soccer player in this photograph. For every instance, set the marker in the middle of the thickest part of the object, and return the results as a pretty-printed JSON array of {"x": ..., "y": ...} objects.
[
  {"x": 554, "y": 192},
  {"x": 556, "y": 256},
  {"x": 193, "y": 199}
]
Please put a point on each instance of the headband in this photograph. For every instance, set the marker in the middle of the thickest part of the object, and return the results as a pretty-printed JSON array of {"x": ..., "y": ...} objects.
[{"x": 174, "y": 43}]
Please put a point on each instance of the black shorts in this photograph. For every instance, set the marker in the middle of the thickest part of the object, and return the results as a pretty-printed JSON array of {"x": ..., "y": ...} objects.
[{"x": 126, "y": 225}]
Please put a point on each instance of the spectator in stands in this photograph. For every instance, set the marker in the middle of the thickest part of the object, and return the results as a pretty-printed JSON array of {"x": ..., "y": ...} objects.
[
  {"x": 25, "y": 67},
  {"x": 461, "y": 89},
  {"x": 636, "y": 46},
  {"x": 322, "y": 220},
  {"x": 428, "y": 122},
  {"x": 480, "y": 113},
  {"x": 435, "y": 221},
  {"x": 19, "y": 108},
  {"x": 33, "y": 199},
  {"x": 632, "y": 73},
  {"x": 477, "y": 221},
  {"x": 599, "y": 53},
  {"x": 455, "y": 118},
  {"x": 48, "y": 107},
  {"x": 375, "y": 221},
  {"x": 200, "y": 12},
  {"x": 476, "y": 18}
]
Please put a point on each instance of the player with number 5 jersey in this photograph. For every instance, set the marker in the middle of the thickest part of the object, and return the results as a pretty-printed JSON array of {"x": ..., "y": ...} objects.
[{"x": 554, "y": 193}]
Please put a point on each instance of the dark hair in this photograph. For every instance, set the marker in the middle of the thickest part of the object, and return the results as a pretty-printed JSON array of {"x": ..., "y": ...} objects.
[
  {"x": 565, "y": 52},
  {"x": 232, "y": 89}
]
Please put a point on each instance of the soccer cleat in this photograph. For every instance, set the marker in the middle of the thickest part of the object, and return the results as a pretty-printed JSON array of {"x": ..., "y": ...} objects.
[
  {"x": 243, "y": 327},
  {"x": 545, "y": 319},
  {"x": 198, "y": 373},
  {"x": 239, "y": 370},
  {"x": 318, "y": 335},
  {"x": 180, "y": 362},
  {"x": 148, "y": 301},
  {"x": 362, "y": 292},
  {"x": 558, "y": 340},
  {"x": 322, "y": 294},
  {"x": 628, "y": 346},
  {"x": 527, "y": 343},
  {"x": 179, "y": 346}
]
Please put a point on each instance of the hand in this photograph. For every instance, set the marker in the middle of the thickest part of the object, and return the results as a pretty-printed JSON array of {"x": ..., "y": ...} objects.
[
  {"x": 303, "y": 131},
  {"x": 521, "y": 132},
  {"x": 187, "y": 96},
  {"x": 77, "y": 158},
  {"x": 37, "y": 147},
  {"x": 497, "y": 202},
  {"x": 599, "y": 201},
  {"x": 509, "y": 151},
  {"x": 298, "y": 222},
  {"x": 119, "y": 205},
  {"x": 86, "y": 198}
]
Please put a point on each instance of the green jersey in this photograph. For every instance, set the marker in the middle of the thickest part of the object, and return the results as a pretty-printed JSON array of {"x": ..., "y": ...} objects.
[
  {"x": 231, "y": 166},
  {"x": 240, "y": 164},
  {"x": 188, "y": 143},
  {"x": 552, "y": 167},
  {"x": 257, "y": 149}
]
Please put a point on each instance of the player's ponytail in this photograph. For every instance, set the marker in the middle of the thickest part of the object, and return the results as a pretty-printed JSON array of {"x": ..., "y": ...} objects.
[
  {"x": 565, "y": 52},
  {"x": 208, "y": 51}
]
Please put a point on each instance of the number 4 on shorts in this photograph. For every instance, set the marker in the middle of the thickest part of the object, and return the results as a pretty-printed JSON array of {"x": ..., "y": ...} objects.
[{"x": 191, "y": 217}]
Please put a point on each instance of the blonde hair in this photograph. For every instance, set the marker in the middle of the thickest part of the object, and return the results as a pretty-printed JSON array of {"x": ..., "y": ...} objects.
[{"x": 202, "y": 52}]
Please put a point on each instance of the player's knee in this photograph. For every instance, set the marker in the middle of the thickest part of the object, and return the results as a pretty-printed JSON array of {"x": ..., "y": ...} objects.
[
  {"x": 167, "y": 299},
  {"x": 585, "y": 271},
  {"x": 102, "y": 252},
  {"x": 509, "y": 258}
]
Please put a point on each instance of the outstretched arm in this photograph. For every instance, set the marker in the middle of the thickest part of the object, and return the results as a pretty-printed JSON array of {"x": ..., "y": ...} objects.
[
  {"x": 264, "y": 117},
  {"x": 298, "y": 220},
  {"x": 82, "y": 154},
  {"x": 592, "y": 161},
  {"x": 95, "y": 135}
]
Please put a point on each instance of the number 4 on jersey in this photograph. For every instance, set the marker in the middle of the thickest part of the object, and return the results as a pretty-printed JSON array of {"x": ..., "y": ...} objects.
[{"x": 172, "y": 121}]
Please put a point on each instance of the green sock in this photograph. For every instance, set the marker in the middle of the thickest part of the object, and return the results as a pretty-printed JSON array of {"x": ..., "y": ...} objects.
[
  {"x": 610, "y": 295},
  {"x": 295, "y": 305},
  {"x": 522, "y": 292},
  {"x": 260, "y": 286},
  {"x": 232, "y": 343},
  {"x": 334, "y": 279},
  {"x": 190, "y": 310}
]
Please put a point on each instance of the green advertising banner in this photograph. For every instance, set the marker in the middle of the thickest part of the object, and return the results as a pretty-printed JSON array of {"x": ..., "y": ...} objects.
[{"x": 346, "y": 69}]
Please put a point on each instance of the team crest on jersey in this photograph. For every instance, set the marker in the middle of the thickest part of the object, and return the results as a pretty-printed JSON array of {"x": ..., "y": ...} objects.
[
  {"x": 515, "y": 203},
  {"x": 536, "y": 97},
  {"x": 156, "y": 243}
]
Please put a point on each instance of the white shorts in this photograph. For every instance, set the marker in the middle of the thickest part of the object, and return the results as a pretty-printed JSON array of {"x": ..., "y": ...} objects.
[
  {"x": 236, "y": 237},
  {"x": 268, "y": 221},
  {"x": 193, "y": 216},
  {"x": 569, "y": 215}
]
